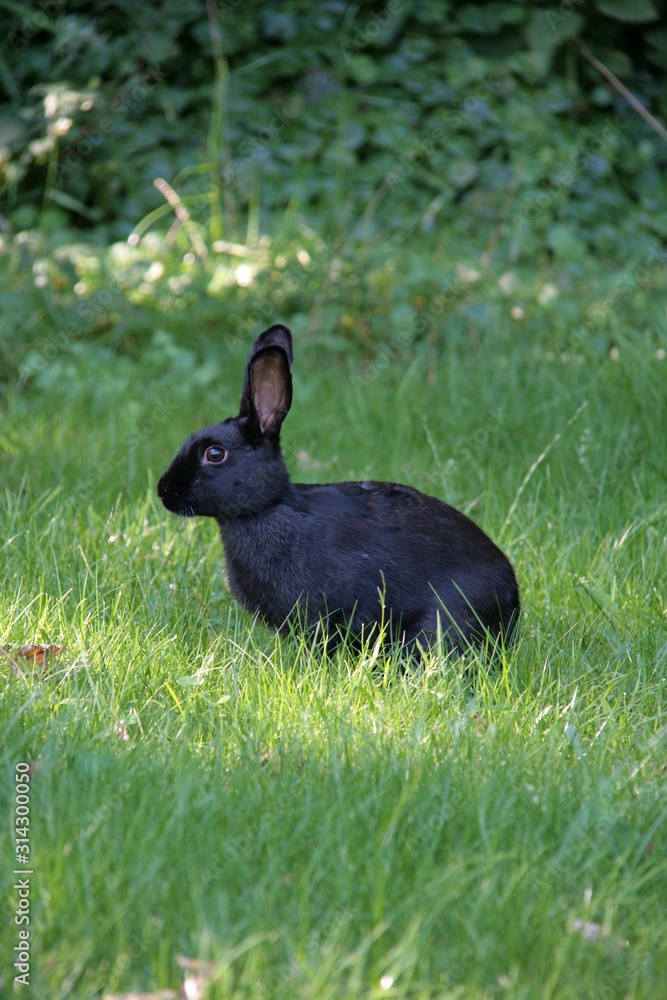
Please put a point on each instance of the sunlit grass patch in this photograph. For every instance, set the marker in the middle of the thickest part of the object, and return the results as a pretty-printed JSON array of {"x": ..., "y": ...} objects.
[{"x": 342, "y": 826}]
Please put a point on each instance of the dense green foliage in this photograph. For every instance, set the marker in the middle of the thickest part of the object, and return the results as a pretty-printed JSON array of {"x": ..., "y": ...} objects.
[
  {"x": 400, "y": 116},
  {"x": 292, "y": 140}
]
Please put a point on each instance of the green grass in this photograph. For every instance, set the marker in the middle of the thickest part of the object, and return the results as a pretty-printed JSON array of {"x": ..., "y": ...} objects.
[{"x": 339, "y": 828}]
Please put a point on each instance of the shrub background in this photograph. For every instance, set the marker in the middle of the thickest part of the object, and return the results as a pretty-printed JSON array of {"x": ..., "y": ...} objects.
[{"x": 468, "y": 112}]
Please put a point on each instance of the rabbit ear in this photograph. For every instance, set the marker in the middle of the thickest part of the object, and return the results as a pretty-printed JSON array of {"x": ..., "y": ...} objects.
[
  {"x": 277, "y": 336},
  {"x": 270, "y": 392}
]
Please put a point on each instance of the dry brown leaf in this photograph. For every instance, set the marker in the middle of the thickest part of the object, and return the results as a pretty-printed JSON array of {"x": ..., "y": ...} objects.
[
  {"x": 35, "y": 655},
  {"x": 39, "y": 657}
]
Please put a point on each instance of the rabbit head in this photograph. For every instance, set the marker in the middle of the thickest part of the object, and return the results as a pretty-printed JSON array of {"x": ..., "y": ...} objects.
[{"x": 235, "y": 468}]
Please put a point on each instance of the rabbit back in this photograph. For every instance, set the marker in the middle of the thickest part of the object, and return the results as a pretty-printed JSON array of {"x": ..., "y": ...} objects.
[{"x": 362, "y": 555}]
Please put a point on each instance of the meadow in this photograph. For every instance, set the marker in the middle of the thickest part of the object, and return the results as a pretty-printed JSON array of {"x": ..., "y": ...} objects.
[
  {"x": 462, "y": 218},
  {"x": 342, "y": 827}
]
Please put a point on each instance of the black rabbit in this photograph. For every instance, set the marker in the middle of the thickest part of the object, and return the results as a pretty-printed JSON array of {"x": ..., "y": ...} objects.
[{"x": 351, "y": 558}]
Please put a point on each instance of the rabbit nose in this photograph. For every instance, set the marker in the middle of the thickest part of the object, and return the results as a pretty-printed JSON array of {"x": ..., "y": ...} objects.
[{"x": 161, "y": 486}]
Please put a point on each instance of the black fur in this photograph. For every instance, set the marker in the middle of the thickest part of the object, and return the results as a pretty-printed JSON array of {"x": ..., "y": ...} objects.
[{"x": 353, "y": 557}]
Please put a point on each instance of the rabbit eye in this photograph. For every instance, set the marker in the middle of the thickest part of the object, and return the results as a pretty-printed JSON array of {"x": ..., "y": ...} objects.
[{"x": 214, "y": 456}]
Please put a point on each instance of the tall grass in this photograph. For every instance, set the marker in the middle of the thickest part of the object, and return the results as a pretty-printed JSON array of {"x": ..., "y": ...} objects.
[{"x": 335, "y": 828}]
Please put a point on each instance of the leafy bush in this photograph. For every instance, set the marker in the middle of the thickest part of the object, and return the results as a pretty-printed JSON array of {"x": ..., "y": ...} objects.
[
  {"x": 379, "y": 115},
  {"x": 374, "y": 173}
]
